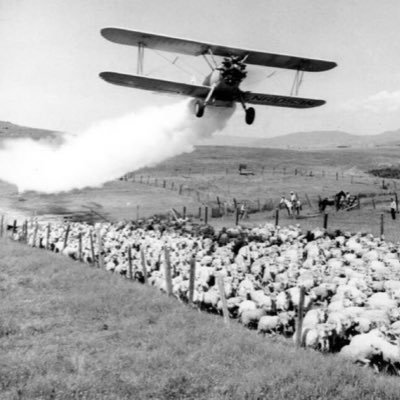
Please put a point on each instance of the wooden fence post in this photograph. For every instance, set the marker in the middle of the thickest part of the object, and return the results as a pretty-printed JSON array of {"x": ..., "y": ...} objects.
[
  {"x": 2, "y": 226},
  {"x": 184, "y": 212},
  {"x": 144, "y": 265},
  {"x": 15, "y": 226},
  {"x": 325, "y": 220},
  {"x": 199, "y": 212},
  {"x": 47, "y": 235},
  {"x": 192, "y": 277},
  {"x": 225, "y": 312},
  {"x": 80, "y": 246},
  {"x": 382, "y": 226},
  {"x": 397, "y": 201},
  {"x": 180, "y": 188},
  {"x": 92, "y": 247},
  {"x": 100, "y": 249},
  {"x": 277, "y": 217},
  {"x": 237, "y": 216},
  {"x": 299, "y": 324},
  {"x": 130, "y": 270},
  {"x": 66, "y": 236},
  {"x": 206, "y": 215},
  {"x": 373, "y": 204},
  {"x": 168, "y": 278}
]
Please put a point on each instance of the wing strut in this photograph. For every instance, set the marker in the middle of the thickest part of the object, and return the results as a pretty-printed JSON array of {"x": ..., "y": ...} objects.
[
  {"x": 140, "y": 59},
  {"x": 298, "y": 80}
]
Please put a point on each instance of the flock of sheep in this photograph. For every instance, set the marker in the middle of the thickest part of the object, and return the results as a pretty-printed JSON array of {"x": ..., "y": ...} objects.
[{"x": 352, "y": 281}]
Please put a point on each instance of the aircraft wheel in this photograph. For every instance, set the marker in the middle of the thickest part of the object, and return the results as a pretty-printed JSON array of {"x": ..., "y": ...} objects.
[
  {"x": 250, "y": 115},
  {"x": 199, "y": 109}
]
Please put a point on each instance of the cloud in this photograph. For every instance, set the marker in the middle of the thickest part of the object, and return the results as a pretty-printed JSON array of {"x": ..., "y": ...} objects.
[{"x": 381, "y": 102}]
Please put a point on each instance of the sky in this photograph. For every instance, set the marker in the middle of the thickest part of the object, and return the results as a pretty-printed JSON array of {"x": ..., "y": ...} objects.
[{"x": 52, "y": 53}]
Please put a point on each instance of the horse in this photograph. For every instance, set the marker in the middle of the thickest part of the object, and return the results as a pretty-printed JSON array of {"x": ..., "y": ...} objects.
[
  {"x": 288, "y": 205},
  {"x": 336, "y": 200}
]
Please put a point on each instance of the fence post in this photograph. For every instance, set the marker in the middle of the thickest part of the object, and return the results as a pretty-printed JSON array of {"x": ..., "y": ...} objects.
[
  {"x": 277, "y": 217},
  {"x": 206, "y": 215},
  {"x": 220, "y": 282},
  {"x": 237, "y": 216},
  {"x": 80, "y": 246},
  {"x": 373, "y": 203},
  {"x": 184, "y": 212},
  {"x": 199, "y": 212},
  {"x": 66, "y": 236},
  {"x": 299, "y": 325},
  {"x": 144, "y": 265},
  {"x": 130, "y": 271},
  {"x": 2, "y": 226},
  {"x": 92, "y": 247},
  {"x": 47, "y": 234},
  {"x": 337, "y": 176},
  {"x": 325, "y": 220},
  {"x": 100, "y": 249},
  {"x": 168, "y": 278},
  {"x": 164, "y": 184},
  {"x": 397, "y": 201},
  {"x": 180, "y": 188},
  {"x": 382, "y": 225},
  {"x": 192, "y": 278}
]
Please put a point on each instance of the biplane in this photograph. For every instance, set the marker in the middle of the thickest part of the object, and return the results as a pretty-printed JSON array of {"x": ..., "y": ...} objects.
[{"x": 221, "y": 88}]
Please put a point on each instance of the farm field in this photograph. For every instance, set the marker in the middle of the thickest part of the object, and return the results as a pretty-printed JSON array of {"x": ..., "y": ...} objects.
[
  {"x": 69, "y": 331},
  {"x": 196, "y": 179}
]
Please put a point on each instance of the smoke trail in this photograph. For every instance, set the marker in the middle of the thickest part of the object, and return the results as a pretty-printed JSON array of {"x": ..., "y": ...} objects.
[{"x": 108, "y": 149}]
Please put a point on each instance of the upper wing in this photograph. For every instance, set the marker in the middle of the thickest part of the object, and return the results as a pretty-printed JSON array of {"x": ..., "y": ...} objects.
[
  {"x": 185, "y": 46},
  {"x": 156, "y": 85},
  {"x": 280, "y": 101}
]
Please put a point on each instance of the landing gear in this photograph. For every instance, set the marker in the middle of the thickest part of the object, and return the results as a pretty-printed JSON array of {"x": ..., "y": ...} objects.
[
  {"x": 250, "y": 112},
  {"x": 199, "y": 109},
  {"x": 250, "y": 115}
]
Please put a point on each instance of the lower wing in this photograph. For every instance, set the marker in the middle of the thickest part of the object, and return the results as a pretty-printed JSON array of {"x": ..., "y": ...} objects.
[
  {"x": 280, "y": 101},
  {"x": 155, "y": 85},
  {"x": 201, "y": 92}
]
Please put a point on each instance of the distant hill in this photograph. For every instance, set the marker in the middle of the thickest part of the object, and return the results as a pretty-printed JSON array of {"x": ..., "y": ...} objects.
[
  {"x": 310, "y": 140},
  {"x": 9, "y": 131}
]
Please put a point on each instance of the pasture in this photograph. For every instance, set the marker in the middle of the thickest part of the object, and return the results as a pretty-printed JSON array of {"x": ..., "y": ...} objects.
[
  {"x": 69, "y": 331},
  {"x": 199, "y": 178}
]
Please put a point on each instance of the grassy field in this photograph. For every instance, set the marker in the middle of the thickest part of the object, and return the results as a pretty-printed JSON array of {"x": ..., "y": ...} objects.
[
  {"x": 209, "y": 172},
  {"x": 69, "y": 331}
]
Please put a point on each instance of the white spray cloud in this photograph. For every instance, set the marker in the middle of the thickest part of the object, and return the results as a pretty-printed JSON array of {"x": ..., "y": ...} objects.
[{"x": 108, "y": 149}]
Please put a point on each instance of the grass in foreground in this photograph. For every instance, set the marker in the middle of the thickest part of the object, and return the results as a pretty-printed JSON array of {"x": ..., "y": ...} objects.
[{"x": 68, "y": 331}]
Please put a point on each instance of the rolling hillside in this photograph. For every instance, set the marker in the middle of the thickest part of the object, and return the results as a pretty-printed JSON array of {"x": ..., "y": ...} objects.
[{"x": 310, "y": 140}]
